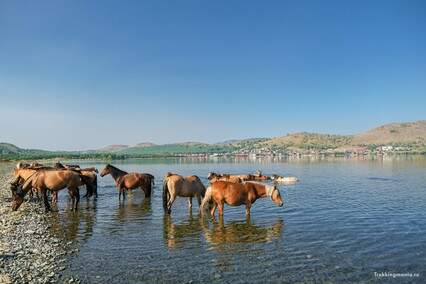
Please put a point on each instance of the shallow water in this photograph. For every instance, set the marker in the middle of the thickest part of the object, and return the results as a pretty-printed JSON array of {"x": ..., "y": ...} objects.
[{"x": 343, "y": 221}]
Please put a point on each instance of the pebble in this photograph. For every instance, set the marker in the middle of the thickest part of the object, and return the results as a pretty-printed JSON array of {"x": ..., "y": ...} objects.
[{"x": 29, "y": 251}]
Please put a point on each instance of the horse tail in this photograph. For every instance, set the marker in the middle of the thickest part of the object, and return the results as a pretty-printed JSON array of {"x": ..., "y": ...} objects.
[
  {"x": 165, "y": 194},
  {"x": 207, "y": 198},
  {"x": 152, "y": 179}
]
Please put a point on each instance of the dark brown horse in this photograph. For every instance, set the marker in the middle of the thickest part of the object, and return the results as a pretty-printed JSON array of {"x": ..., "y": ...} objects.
[
  {"x": 91, "y": 180},
  {"x": 128, "y": 181},
  {"x": 236, "y": 194},
  {"x": 259, "y": 176}
]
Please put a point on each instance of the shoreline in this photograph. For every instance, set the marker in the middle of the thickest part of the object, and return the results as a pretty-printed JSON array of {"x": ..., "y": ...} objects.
[
  {"x": 29, "y": 250},
  {"x": 224, "y": 156}
]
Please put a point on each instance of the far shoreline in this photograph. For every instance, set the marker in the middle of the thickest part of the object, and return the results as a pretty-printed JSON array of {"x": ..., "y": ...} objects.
[{"x": 208, "y": 157}]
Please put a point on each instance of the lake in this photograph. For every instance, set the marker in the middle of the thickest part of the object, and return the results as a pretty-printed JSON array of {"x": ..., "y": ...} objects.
[{"x": 344, "y": 221}]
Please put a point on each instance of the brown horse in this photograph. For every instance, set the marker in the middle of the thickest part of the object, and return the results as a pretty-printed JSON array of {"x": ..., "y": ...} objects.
[
  {"x": 236, "y": 194},
  {"x": 128, "y": 181},
  {"x": 52, "y": 180},
  {"x": 91, "y": 180},
  {"x": 175, "y": 185},
  {"x": 21, "y": 173},
  {"x": 213, "y": 177},
  {"x": 258, "y": 176}
]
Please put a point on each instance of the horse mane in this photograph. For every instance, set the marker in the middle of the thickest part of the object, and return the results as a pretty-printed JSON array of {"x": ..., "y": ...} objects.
[
  {"x": 117, "y": 169},
  {"x": 169, "y": 174},
  {"x": 268, "y": 188},
  {"x": 91, "y": 169}
]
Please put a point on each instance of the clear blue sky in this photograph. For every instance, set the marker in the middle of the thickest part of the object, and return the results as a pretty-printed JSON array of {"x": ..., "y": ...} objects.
[{"x": 84, "y": 74}]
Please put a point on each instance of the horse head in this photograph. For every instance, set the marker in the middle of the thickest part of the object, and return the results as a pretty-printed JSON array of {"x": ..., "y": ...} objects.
[
  {"x": 106, "y": 170},
  {"x": 59, "y": 165},
  {"x": 212, "y": 175},
  {"x": 21, "y": 165},
  {"x": 275, "y": 195},
  {"x": 17, "y": 196},
  {"x": 273, "y": 192}
]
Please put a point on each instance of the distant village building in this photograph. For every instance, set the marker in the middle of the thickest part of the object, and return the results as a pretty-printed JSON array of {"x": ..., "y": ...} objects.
[{"x": 387, "y": 148}]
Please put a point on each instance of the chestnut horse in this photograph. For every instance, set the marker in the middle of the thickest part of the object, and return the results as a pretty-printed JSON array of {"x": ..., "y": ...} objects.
[
  {"x": 236, "y": 194},
  {"x": 52, "y": 180},
  {"x": 175, "y": 185},
  {"x": 128, "y": 181}
]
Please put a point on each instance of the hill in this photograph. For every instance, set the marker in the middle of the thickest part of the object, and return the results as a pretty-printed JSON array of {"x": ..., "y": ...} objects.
[
  {"x": 394, "y": 133},
  {"x": 7, "y": 148},
  {"x": 145, "y": 144},
  {"x": 113, "y": 148},
  {"x": 304, "y": 140},
  {"x": 170, "y": 149},
  {"x": 394, "y": 137}
]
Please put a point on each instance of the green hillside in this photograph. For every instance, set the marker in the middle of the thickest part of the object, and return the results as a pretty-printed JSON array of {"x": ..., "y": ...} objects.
[{"x": 396, "y": 137}]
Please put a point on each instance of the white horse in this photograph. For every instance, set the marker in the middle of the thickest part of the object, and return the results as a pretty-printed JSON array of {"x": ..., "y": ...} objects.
[{"x": 284, "y": 180}]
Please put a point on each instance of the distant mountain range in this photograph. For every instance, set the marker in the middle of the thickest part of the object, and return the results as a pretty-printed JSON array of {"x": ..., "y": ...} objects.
[{"x": 406, "y": 137}]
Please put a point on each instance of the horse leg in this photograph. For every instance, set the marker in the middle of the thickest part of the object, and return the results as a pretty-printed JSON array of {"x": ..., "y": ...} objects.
[
  {"x": 46, "y": 201},
  {"x": 119, "y": 193},
  {"x": 147, "y": 190},
  {"x": 220, "y": 208},
  {"x": 77, "y": 198},
  {"x": 248, "y": 206},
  {"x": 71, "y": 193},
  {"x": 213, "y": 210},
  {"x": 190, "y": 202},
  {"x": 170, "y": 203},
  {"x": 199, "y": 200},
  {"x": 37, "y": 195},
  {"x": 55, "y": 197},
  {"x": 88, "y": 194}
]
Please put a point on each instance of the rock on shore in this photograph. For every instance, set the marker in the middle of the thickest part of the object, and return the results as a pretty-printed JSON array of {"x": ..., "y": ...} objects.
[{"x": 29, "y": 251}]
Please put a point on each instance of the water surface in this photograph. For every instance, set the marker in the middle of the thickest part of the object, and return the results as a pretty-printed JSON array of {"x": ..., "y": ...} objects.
[{"x": 345, "y": 220}]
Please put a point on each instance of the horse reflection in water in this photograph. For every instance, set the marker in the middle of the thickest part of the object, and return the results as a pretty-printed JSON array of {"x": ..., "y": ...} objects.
[
  {"x": 240, "y": 232},
  {"x": 132, "y": 211},
  {"x": 184, "y": 233},
  {"x": 71, "y": 226},
  {"x": 188, "y": 232}
]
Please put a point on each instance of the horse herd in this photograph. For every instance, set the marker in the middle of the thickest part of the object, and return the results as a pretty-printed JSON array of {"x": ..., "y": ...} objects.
[{"x": 224, "y": 189}]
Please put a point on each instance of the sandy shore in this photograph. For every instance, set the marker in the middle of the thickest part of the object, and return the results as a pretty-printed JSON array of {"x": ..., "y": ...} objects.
[{"x": 29, "y": 251}]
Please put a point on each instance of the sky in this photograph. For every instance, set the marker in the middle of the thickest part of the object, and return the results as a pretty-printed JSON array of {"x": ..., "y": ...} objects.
[{"x": 78, "y": 75}]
